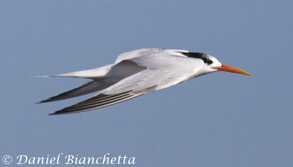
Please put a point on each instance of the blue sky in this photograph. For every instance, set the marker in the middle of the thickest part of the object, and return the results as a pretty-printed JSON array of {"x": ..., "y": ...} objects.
[{"x": 220, "y": 119}]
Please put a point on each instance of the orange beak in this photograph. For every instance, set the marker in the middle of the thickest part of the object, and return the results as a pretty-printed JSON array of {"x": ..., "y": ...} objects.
[{"x": 227, "y": 68}]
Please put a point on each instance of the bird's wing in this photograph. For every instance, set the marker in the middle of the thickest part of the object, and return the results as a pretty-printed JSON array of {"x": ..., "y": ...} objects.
[
  {"x": 137, "y": 53},
  {"x": 147, "y": 52},
  {"x": 124, "y": 90},
  {"x": 101, "y": 100},
  {"x": 117, "y": 72},
  {"x": 135, "y": 85}
]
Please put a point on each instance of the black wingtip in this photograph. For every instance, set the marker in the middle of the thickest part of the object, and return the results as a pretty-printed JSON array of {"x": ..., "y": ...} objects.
[
  {"x": 40, "y": 102},
  {"x": 61, "y": 112},
  {"x": 56, "y": 113},
  {"x": 43, "y": 101}
]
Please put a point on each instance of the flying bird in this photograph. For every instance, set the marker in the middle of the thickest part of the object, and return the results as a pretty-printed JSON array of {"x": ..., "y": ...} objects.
[{"x": 136, "y": 73}]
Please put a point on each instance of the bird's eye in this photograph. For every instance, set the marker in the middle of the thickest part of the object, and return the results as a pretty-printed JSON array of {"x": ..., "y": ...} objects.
[{"x": 208, "y": 61}]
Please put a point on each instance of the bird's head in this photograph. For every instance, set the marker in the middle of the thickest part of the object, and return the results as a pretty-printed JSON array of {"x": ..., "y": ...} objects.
[{"x": 212, "y": 64}]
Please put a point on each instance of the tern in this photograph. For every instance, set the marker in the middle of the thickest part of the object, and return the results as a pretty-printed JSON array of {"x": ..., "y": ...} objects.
[{"x": 136, "y": 73}]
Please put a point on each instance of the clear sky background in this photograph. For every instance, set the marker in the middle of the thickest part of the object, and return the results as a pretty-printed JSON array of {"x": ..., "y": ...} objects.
[{"x": 220, "y": 119}]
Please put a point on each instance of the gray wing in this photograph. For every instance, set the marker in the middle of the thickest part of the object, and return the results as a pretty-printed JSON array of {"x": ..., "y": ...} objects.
[
  {"x": 102, "y": 100},
  {"x": 126, "y": 89}
]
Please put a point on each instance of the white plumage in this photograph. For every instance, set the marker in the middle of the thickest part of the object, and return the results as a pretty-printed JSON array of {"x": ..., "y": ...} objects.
[{"x": 136, "y": 73}]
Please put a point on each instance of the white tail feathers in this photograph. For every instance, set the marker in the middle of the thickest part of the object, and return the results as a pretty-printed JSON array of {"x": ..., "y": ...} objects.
[{"x": 90, "y": 74}]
